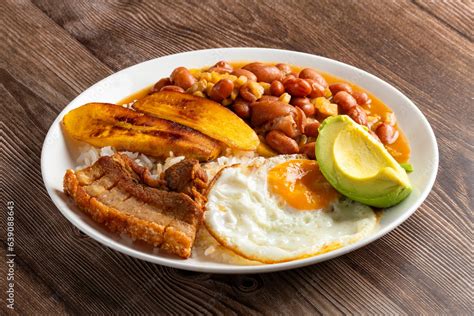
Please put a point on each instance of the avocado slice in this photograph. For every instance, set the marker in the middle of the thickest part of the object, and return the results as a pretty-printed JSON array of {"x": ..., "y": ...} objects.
[{"x": 358, "y": 166}]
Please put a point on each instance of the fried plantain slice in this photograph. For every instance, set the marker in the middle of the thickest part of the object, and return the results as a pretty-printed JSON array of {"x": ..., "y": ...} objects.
[
  {"x": 206, "y": 116},
  {"x": 103, "y": 124}
]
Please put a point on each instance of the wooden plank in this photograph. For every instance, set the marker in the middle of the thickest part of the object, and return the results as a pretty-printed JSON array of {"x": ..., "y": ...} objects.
[
  {"x": 52, "y": 51},
  {"x": 457, "y": 14},
  {"x": 57, "y": 77},
  {"x": 30, "y": 293}
]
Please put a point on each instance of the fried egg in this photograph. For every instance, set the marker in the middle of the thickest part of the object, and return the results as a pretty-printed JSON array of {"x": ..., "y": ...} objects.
[{"x": 281, "y": 209}]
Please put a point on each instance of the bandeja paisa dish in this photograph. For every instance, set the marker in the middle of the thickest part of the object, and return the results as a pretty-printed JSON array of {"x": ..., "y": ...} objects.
[{"x": 240, "y": 162}]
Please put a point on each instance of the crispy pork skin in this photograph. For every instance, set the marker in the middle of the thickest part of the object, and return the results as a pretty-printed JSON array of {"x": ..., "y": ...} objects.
[{"x": 121, "y": 195}]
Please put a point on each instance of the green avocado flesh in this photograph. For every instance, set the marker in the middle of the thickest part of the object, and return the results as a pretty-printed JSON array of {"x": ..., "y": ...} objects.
[{"x": 358, "y": 166}]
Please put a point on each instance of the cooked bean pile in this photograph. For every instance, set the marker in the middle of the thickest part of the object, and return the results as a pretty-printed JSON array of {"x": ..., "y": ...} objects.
[{"x": 285, "y": 108}]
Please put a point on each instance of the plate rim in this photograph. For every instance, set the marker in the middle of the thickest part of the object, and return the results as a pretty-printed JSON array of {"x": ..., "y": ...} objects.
[{"x": 244, "y": 269}]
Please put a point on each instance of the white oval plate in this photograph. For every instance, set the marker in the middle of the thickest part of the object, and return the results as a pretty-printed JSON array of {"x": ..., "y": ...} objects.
[{"x": 57, "y": 155}]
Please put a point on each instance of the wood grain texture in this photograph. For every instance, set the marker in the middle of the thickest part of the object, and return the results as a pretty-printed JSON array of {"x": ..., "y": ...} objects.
[
  {"x": 53, "y": 50},
  {"x": 456, "y": 14}
]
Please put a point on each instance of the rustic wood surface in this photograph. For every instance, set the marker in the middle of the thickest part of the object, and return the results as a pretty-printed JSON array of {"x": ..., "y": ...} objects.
[{"x": 52, "y": 50}]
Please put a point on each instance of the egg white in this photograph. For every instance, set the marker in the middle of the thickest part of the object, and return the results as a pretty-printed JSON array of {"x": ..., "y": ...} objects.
[{"x": 244, "y": 216}]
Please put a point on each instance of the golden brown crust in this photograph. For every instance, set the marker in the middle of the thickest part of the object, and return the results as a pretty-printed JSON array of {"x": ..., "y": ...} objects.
[
  {"x": 115, "y": 195},
  {"x": 201, "y": 115},
  {"x": 103, "y": 124}
]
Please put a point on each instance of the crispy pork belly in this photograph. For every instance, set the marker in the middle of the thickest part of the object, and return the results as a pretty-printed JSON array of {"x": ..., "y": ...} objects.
[
  {"x": 123, "y": 197},
  {"x": 187, "y": 177}
]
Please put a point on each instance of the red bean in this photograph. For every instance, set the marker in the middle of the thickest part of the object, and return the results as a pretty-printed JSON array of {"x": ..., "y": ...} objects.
[
  {"x": 287, "y": 78},
  {"x": 341, "y": 86},
  {"x": 222, "y": 67},
  {"x": 297, "y": 87},
  {"x": 172, "y": 88},
  {"x": 221, "y": 90},
  {"x": 284, "y": 68},
  {"x": 358, "y": 115},
  {"x": 281, "y": 143},
  {"x": 387, "y": 133},
  {"x": 300, "y": 119},
  {"x": 277, "y": 88},
  {"x": 268, "y": 98},
  {"x": 263, "y": 72},
  {"x": 312, "y": 74},
  {"x": 309, "y": 150},
  {"x": 241, "y": 108},
  {"x": 345, "y": 101},
  {"x": 311, "y": 128},
  {"x": 219, "y": 70},
  {"x": 361, "y": 97},
  {"x": 304, "y": 104},
  {"x": 160, "y": 84},
  {"x": 317, "y": 90},
  {"x": 242, "y": 72},
  {"x": 286, "y": 124},
  {"x": 182, "y": 77},
  {"x": 246, "y": 93},
  {"x": 265, "y": 111}
]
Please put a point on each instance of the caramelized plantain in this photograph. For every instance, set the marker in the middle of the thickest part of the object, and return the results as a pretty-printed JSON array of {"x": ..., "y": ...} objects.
[
  {"x": 102, "y": 124},
  {"x": 206, "y": 116}
]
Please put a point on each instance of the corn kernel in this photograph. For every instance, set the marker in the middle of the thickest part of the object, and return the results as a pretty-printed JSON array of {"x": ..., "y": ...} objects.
[
  {"x": 215, "y": 77},
  {"x": 199, "y": 94},
  {"x": 209, "y": 88},
  {"x": 230, "y": 77},
  {"x": 324, "y": 106},
  {"x": 218, "y": 76},
  {"x": 327, "y": 93},
  {"x": 319, "y": 102},
  {"x": 202, "y": 85},
  {"x": 256, "y": 89},
  {"x": 239, "y": 82},
  {"x": 204, "y": 76},
  {"x": 331, "y": 110},
  {"x": 372, "y": 120},
  {"x": 266, "y": 87},
  {"x": 234, "y": 94},
  {"x": 197, "y": 86},
  {"x": 195, "y": 72},
  {"x": 285, "y": 97},
  {"x": 389, "y": 118},
  {"x": 227, "y": 102}
]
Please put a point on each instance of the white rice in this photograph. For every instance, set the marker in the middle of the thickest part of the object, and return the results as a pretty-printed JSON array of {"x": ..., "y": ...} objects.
[
  {"x": 213, "y": 167},
  {"x": 89, "y": 155},
  {"x": 207, "y": 248},
  {"x": 129, "y": 105}
]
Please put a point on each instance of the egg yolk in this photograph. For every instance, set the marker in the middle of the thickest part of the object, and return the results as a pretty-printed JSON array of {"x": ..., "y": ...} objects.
[{"x": 301, "y": 184}]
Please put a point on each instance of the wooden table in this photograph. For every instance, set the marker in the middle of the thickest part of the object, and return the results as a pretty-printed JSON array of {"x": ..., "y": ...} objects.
[{"x": 52, "y": 50}]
